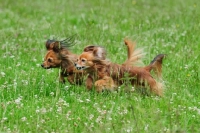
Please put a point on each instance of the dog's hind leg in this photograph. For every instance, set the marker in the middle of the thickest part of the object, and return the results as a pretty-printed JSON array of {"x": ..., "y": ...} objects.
[{"x": 155, "y": 87}]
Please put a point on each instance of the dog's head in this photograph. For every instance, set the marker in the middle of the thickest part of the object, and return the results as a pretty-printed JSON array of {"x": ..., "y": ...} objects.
[
  {"x": 55, "y": 49},
  {"x": 51, "y": 60},
  {"x": 89, "y": 56}
]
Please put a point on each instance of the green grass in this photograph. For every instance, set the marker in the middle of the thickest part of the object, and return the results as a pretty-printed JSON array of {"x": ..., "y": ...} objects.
[{"x": 31, "y": 98}]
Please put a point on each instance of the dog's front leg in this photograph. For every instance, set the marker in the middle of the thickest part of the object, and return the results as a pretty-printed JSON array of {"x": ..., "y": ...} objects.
[
  {"x": 61, "y": 79},
  {"x": 105, "y": 83},
  {"x": 89, "y": 82}
]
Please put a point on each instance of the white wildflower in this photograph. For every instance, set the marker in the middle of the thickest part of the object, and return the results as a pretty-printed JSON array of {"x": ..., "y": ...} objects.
[
  {"x": 43, "y": 110},
  {"x": 37, "y": 111},
  {"x": 52, "y": 93},
  {"x": 67, "y": 87},
  {"x": 186, "y": 67},
  {"x": 198, "y": 111},
  {"x": 42, "y": 121},
  {"x": 3, "y": 74},
  {"x": 25, "y": 82},
  {"x": 80, "y": 100},
  {"x": 18, "y": 64},
  {"x": 128, "y": 130},
  {"x": 59, "y": 110},
  {"x": 18, "y": 100},
  {"x": 23, "y": 118},
  {"x": 4, "y": 119},
  {"x": 91, "y": 116},
  {"x": 66, "y": 104},
  {"x": 12, "y": 56},
  {"x": 146, "y": 127},
  {"x": 87, "y": 100},
  {"x": 34, "y": 59},
  {"x": 98, "y": 120}
]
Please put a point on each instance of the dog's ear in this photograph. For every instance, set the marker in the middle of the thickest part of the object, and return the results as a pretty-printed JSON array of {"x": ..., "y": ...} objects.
[
  {"x": 53, "y": 45},
  {"x": 56, "y": 46},
  {"x": 49, "y": 44},
  {"x": 89, "y": 48},
  {"x": 99, "y": 52}
]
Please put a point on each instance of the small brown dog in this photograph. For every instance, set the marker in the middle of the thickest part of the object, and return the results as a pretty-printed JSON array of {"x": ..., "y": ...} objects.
[
  {"x": 134, "y": 57},
  {"x": 109, "y": 75},
  {"x": 59, "y": 56}
]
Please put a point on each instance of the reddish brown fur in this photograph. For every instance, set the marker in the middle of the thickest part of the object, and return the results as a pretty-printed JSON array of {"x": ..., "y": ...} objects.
[
  {"x": 117, "y": 74},
  {"x": 99, "y": 53},
  {"x": 58, "y": 56}
]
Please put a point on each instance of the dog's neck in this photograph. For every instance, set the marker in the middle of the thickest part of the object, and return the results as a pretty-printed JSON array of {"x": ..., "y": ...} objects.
[
  {"x": 67, "y": 60},
  {"x": 97, "y": 71}
]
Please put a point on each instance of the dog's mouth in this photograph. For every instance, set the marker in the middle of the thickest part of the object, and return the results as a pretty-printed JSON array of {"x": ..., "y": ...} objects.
[
  {"x": 45, "y": 67},
  {"x": 80, "y": 68}
]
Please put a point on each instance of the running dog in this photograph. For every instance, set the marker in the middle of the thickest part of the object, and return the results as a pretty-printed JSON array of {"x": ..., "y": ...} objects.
[{"x": 110, "y": 75}]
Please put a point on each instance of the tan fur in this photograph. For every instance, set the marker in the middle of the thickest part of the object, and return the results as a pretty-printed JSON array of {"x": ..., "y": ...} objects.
[
  {"x": 134, "y": 55},
  {"x": 137, "y": 76},
  {"x": 106, "y": 83}
]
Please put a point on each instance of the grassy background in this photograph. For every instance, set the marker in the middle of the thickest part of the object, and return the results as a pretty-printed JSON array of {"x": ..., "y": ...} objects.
[{"x": 32, "y": 100}]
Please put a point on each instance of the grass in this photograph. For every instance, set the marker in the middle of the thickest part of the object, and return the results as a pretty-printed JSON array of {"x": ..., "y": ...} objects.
[{"x": 32, "y": 100}]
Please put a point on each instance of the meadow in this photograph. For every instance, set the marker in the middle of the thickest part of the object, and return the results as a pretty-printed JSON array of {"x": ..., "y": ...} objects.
[{"x": 32, "y": 99}]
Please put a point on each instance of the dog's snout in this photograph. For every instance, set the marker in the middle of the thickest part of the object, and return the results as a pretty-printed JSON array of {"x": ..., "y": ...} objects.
[{"x": 42, "y": 65}]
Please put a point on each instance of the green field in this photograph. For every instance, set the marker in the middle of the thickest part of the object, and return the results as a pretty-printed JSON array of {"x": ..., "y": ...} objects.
[{"x": 32, "y": 99}]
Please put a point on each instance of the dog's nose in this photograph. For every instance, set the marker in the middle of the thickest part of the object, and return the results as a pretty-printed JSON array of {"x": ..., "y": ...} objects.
[{"x": 42, "y": 65}]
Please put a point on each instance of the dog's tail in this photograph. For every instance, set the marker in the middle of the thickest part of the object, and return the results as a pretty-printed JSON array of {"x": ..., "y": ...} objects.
[
  {"x": 156, "y": 65},
  {"x": 134, "y": 55}
]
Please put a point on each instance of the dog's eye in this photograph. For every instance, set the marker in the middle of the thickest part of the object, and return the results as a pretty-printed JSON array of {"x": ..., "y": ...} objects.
[
  {"x": 83, "y": 60},
  {"x": 49, "y": 60}
]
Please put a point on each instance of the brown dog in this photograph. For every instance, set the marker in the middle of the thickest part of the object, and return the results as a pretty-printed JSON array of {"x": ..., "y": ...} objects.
[
  {"x": 109, "y": 75},
  {"x": 134, "y": 57},
  {"x": 59, "y": 56}
]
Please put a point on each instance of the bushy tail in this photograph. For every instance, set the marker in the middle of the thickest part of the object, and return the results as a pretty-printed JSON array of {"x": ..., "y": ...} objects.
[
  {"x": 156, "y": 65},
  {"x": 134, "y": 55}
]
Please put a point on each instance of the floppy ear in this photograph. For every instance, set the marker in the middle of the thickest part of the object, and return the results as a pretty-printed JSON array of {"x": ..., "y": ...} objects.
[
  {"x": 56, "y": 46},
  {"x": 49, "y": 44},
  {"x": 53, "y": 45},
  {"x": 99, "y": 52}
]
